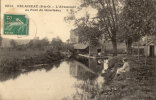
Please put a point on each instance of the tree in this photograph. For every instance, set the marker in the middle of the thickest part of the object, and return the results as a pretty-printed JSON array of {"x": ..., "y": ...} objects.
[
  {"x": 89, "y": 35},
  {"x": 39, "y": 44},
  {"x": 138, "y": 19},
  {"x": 44, "y": 42},
  {"x": 106, "y": 20},
  {"x": 57, "y": 43}
]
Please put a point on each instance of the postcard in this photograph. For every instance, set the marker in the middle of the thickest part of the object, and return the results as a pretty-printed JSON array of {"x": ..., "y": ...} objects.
[{"x": 77, "y": 50}]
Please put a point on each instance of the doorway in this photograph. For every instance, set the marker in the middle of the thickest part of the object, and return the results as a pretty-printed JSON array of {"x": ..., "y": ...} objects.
[{"x": 152, "y": 50}]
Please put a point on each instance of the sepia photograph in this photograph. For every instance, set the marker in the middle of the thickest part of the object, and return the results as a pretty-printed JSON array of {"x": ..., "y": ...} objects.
[{"x": 77, "y": 49}]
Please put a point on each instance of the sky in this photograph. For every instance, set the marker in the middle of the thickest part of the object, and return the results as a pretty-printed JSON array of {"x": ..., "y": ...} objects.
[{"x": 41, "y": 24}]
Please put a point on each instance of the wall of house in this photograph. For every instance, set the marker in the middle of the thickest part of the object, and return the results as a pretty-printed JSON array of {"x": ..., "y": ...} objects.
[
  {"x": 147, "y": 50},
  {"x": 155, "y": 51},
  {"x": 92, "y": 50},
  {"x": 74, "y": 38}
]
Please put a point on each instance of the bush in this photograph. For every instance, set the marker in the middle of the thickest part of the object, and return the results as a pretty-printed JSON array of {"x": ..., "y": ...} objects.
[{"x": 15, "y": 64}]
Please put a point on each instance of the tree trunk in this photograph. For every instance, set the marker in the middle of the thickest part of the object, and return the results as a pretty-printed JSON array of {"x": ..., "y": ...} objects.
[
  {"x": 129, "y": 45},
  {"x": 129, "y": 48},
  {"x": 114, "y": 43}
]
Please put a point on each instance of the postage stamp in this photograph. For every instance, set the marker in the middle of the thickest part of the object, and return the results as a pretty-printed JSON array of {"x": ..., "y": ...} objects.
[{"x": 16, "y": 24}]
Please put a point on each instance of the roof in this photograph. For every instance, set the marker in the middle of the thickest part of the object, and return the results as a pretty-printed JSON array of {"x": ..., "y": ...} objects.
[
  {"x": 147, "y": 40},
  {"x": 151, "y": 42},
  {"x": 80, "y": 46}
]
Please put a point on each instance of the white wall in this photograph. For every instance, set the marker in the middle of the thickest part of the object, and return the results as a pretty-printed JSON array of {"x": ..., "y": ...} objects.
[{"x": 155, "y": 50}]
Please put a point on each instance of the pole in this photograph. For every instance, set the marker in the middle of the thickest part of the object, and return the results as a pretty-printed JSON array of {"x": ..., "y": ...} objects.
[
  {"x": 146, "y": 50},
  {"x": 138, "y": 51}
]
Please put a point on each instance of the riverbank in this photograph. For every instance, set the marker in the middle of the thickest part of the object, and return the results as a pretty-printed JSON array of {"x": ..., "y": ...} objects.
[
  {"x": 27, "y": 60},
  {"x": 137, "y": 84}
]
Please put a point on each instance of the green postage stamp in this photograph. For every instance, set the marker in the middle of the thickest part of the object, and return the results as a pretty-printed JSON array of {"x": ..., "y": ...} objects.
[{"x": 16, "y": 24}]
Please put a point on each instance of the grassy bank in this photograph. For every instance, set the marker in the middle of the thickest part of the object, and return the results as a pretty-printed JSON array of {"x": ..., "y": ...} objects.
[
  {"x": 137, "y": 84},
  {"x": 17, "y": 61},
  {"x": 8, "y": 53}
]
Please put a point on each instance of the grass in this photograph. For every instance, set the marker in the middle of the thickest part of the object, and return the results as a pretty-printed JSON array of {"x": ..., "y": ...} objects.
[
  {"x": 12, "y": 53},
  {"x": 137, "y": 84},
  {"x": 15, "y": 61}
]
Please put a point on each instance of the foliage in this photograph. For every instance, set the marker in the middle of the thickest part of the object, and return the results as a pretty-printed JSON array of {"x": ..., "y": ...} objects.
[
  {"x": 137, "y": 20},
  {"x": 118, "y": 20},
  {"x": 56, "y": 43},
  {"x": 105, "y": 22},
  {"x": 38, "y": 44},
  {"x": 15, "y": 64},
  {"x": 88, "y": 34}
]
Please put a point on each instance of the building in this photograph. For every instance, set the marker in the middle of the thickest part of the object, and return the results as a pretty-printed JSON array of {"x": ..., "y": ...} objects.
[
  {"x": 74, "y": 38},
  {"x": 149, "y": 43},
  {"x": 95, "y": 50},
  {"x": 150, "y": 49},
  {"x": 85, "y": 47}
]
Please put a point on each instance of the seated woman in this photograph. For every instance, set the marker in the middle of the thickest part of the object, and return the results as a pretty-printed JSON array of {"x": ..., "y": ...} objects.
[
  {"x": 105, "y": 65},
  {"x": 124, "y": 68}
]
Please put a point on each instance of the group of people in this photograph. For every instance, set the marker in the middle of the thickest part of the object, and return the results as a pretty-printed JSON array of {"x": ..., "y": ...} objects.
[
  {"x": 123, "y": 69},
  {"x": 100, "y": 79}
]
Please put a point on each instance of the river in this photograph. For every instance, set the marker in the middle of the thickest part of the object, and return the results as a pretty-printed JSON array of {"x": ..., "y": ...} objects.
[{"x": 57, "y": 83}]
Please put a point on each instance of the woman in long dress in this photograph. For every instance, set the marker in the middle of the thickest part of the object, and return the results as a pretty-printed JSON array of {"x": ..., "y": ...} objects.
[{"x": 124, "y": 68}]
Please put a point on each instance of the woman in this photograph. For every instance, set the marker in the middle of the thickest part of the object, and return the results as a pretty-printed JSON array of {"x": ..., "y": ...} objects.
[{"x": 124, "y": 68}]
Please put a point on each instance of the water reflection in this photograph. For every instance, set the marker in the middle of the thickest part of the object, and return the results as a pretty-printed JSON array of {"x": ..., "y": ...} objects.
[
  {"x": 81, "y": 71},
  {"x": 39, "y": 85},
  {"x": 94, "y": 64},
  {"x": 55, "y": 83},
  {"x": 93, "y": 82},
  {"x": 14, "y": 75}
]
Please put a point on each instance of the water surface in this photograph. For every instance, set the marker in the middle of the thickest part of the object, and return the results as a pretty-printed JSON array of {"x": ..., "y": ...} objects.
[{"x": 54, "y": 84}]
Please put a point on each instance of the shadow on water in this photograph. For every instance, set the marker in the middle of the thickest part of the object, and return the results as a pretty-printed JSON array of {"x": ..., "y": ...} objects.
[
  {"x": 94, "y": 64},
  {"x": 91, "y": 72},
  {"x": 14, "y": 75}
]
